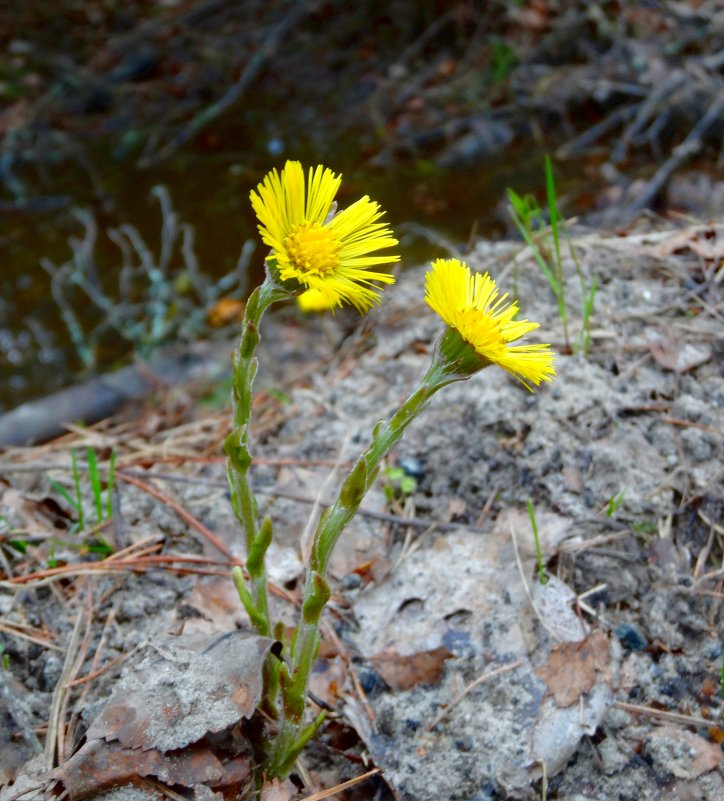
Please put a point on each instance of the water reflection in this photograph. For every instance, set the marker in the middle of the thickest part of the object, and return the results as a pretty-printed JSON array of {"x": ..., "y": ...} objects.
[{"x": 100, "y": 242}]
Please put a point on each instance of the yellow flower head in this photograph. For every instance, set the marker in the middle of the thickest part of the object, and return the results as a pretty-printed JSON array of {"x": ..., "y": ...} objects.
[
  {"x": 470, "y": 305},
  {"x": 319, "y": 252},
  {"x": 312, "y": 300}
]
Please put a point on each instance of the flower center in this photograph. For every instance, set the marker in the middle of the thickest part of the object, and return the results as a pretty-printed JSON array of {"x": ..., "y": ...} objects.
[
  {"x": 479, "y": 327},
  {"x": 312, "y": 248}
]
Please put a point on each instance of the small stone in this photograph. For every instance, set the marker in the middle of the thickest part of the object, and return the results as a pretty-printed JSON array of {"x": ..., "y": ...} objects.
[
  {"x": 412, "y": 467},
  {"x": 370, "y": 680},
  {"x": 613, "y": 757},
  {"x": 631, "y": 637},
  {"x": 464, "y": 743},
  {"x": 713, "y": 650},
  {"x": 352, "y": 581}
]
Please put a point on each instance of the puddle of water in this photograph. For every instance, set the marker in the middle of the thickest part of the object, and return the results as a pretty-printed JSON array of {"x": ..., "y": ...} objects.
[{"x": 210, "y": 190}]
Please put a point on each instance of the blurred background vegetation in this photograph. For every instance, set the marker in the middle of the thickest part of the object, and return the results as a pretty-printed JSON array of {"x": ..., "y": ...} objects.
[{"x": 131, "y": 133}]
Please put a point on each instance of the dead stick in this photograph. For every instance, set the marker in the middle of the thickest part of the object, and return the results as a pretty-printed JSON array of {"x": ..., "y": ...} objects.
[
  {"x": 674, "y": 717},
  {"x": 344, "y": 786},
  {"x": 680, "y": 155},
  {"x": 475, "y": 683},
  {"x": 180, "y": 511},
  {"x": 248, "y": 75}
]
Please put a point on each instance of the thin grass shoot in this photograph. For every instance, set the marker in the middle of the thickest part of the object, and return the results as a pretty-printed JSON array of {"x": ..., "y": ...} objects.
[{"x": 542, "y": 573}]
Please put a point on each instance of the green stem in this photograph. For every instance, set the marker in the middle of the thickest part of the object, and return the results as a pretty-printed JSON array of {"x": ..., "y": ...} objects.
[
  {"x": 305, "y": 645},
  {"x": 364, "y": 472},
  {"x": 238, "y": 455}
]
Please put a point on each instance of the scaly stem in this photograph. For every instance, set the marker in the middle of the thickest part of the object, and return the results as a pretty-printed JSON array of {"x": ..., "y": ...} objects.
[
  {"x": 305, "y": 645},
  {"x": 238, "y": 462}
]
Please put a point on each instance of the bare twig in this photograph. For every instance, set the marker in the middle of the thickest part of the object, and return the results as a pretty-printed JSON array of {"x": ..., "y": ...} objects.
[
  {"x": 674, "y": 717},
  {"x": 344, "y": 786},
  {"x": 473, "y": 684},
  {"x": 61, "y": 690},
  {"x": 187, "y": 517},
  {"x": 251, "y": 71},
  {"x": 26, "y": 633},
  {"x": 582, "y": 142},
  {"x": 680, "y": 155},
  {"x": 526, "y": 588}
]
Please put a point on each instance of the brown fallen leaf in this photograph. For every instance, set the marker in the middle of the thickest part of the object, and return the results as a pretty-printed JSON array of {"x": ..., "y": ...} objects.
[
  {"x": 173, "y": 696},
  {"x": 685, "y": 754},
  {"x": 678, "y": 356},
  {"x": 225, "y": 311},
  {"x": 217, "y": 600},
  {"x": 99, "y": 766},
  {"x": 32, "y": 514},
  {"x": 402, "y": 672},
  {"x": 703, "y": 242},
  {"x": 572, "y": 667},
  {"x": 328, "y": 679},
  {"x": 157, "y": 719},
  {"x": 455, "y": 508},
  {"x": 276, "y": 790}
]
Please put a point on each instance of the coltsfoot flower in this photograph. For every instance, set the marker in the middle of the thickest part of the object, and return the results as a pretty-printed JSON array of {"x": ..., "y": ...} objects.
[
  {"x": 312, "y": 300},
  {"x": 469, "y": 304},
  {"x": 316, "y": 251}
]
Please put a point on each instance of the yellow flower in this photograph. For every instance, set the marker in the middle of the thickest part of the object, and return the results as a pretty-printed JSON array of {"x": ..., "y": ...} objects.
[
  {"x": 470, "y": 304},
  {"x": 312, "y": 300},
  {"x": 318, "y": 251}
]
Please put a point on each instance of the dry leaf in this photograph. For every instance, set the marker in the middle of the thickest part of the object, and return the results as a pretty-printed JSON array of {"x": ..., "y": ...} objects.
[
  {"x": 573, "y": 480},
  {"x": 31, "y": 512},
  {"x": 571, "y": 668},
  {"x": 155, "y": 722},
  {"x": 702, "y": 242},
  {"x": 216, "y": 599},
  {"x": 173, "y": 696},
  {"x": 683, "y": 753},
  {"x": 680, "y": 357},
  {"x": 328, "y": 678},
  {"x": 225, "y": 311},
  {"x": 456, "y": 508},
  {"x": 99, "y": 766},
  {"x": 555, "y": 603},
  {"x": 553, "y": 529},
  {"x": 276, "y": 790},
  {"x": 402, "y": 672}
]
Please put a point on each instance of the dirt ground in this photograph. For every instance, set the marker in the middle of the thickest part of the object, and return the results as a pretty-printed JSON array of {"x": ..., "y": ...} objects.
[{"x": 445, "y": 662}]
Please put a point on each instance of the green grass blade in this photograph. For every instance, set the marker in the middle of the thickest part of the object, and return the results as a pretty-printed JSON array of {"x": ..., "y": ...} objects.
[
  {"x": 63, "y": 492},
  {"x": 52, "y": 561},
  {"x": 109, "y": 490},
  {"x": 555, "y": 219},
  {"x": 554, "y": 214},
  {"x": 588, "y": 301},
  {"x": 95, "y": 482},
  {"x": 78, "y": 493},
  {"x": 542, "y": 574},
  {"x": 535, "y": 250}
]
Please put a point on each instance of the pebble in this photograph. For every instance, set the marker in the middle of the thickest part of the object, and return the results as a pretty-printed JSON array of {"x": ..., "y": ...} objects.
[
  {"x": 370, "y": 680},
  {"x": 412, "y": 467},
  {"x": 352, "y": 581},
  {"x": 464, "y": 743},
  {"x": 713, "y": 651},
  {"x": 631, "y": 637}
]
